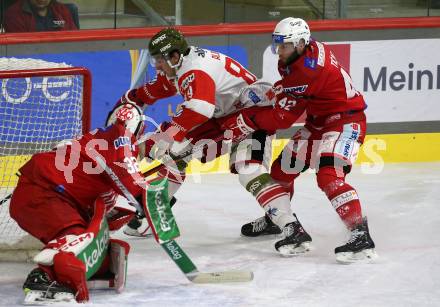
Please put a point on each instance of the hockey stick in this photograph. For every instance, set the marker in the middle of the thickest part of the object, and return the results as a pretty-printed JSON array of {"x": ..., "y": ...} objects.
[
  {"x": 187, "y": 153},
  {"x": 5, "y": 199},
  {"x": 174, "y": 251},
  {"x": 8, "y": 197}
]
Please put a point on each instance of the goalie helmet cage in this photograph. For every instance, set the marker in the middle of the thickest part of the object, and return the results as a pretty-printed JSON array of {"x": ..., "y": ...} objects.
[{"x": 41, "y": 104}]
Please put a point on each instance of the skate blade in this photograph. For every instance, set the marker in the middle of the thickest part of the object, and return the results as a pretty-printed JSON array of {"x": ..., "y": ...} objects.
[
  {"x": 37, "y": 298},
  {"x": 134, "y": 233},
  {"x": 365, "y": 256},
  {"x": 263, "y": 237},
  {"x": 293, "y": 250}
]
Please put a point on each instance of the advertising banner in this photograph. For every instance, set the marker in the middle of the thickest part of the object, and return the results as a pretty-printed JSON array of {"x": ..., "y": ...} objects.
[
  {"x": 400, "y": 79},
  {"x": 111, "y": 75}
]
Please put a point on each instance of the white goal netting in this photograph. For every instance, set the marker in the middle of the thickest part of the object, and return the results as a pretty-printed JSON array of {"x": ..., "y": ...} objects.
[{"x": 41, "y": 104}]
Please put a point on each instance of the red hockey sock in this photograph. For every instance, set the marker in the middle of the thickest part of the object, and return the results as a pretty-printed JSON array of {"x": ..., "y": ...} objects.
[
  {"x": 342, "y": 196},
  {"x": 285, "y": 180}
]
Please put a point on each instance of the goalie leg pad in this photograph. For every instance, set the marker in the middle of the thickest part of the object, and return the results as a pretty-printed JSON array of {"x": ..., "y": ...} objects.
[
  {"x": 70, "y": 271},
  {"x": 90, "y": 247},
  {"x": 75, "y": 258},
  {"x": 119, "y": 251},
  {"x": 113, "y": 272}
]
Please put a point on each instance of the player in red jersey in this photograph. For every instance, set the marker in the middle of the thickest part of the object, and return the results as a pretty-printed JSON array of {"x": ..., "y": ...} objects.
[
  {"x": 314, "y": 83},
  {"x": 213, "y": 86},
  {"x": 65, "y": 199}
]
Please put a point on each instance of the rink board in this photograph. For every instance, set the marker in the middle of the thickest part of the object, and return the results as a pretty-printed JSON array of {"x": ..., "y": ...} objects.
[{"x": 377, "y": 149}]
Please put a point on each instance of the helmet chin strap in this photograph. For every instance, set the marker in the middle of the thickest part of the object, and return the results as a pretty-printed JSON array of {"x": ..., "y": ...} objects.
[{"x": 178, "y": 64}]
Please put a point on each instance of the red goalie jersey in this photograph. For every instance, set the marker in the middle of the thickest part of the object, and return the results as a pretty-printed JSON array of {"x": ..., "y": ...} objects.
[
  {"x": 72, "y": 172},
  {"x": 315, "y": 83}
]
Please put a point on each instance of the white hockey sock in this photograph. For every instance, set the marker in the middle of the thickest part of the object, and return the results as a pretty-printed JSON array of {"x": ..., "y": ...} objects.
[
  {"x": 271, "y": 196},
  {"x": 279, "y": 211}
]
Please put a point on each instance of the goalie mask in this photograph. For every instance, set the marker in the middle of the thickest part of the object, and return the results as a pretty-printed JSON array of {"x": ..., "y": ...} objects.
[
  {"x": 290, "y": 30},
  {"x": 164, "y": 43},
  {"x": 130, "y": 115}
]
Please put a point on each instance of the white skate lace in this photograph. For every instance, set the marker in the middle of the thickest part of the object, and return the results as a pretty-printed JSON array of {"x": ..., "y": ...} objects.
[
  {"x": 288, "y": 231},
  {"x": 355, "y": 234},
  {"x": 46, "y": 294},
  {"x": 259, "y": 224}
]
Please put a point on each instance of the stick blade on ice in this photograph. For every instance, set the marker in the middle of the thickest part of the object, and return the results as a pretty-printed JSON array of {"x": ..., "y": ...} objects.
[{"x": 221, "y": 277}]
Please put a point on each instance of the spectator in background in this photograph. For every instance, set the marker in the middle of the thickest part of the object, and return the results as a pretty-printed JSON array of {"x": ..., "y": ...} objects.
[{"x": 39, "y": 15}]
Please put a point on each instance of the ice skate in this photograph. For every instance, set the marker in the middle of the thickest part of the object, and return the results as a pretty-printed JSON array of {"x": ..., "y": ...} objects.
[
  {"x": 359, "y": 248},
  {"x": 296, "y": 240},
  {"x": 260, "y": 227},
  {"x": 40, "y": 289}
]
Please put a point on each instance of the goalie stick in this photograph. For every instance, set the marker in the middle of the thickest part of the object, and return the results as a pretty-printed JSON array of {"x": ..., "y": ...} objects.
[{"x": 175, "y": 252}]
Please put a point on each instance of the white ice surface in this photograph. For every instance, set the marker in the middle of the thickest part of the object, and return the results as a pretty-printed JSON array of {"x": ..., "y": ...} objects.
[{"x": 403, "y": 206}]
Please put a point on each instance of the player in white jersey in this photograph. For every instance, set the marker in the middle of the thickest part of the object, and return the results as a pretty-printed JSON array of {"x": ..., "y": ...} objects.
[{"x": 213, "y": 86}]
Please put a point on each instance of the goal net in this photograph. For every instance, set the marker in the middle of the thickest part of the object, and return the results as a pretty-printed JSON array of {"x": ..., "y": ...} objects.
[{"x": 41, "y": 104}]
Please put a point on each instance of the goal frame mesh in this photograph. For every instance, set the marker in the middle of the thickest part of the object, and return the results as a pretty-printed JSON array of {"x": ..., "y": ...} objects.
[{"x": 24, "y": 248}]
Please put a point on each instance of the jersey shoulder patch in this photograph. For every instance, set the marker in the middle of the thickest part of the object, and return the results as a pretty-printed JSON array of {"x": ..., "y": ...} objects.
[{"x": 315, "y": 56}]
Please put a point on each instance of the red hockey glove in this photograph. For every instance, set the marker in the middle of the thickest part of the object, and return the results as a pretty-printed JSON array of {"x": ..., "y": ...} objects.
[
  {"x": 240, "y": 126},
  {"x": 130, "y": 97},
  {"x": 118, "y": 217}
]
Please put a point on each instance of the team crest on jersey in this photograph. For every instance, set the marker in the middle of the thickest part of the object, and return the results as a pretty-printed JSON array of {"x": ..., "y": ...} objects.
[{"x": 122, "y": 141}]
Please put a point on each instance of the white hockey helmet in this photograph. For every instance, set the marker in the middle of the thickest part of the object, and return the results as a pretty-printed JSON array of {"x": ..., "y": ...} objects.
[
  {"x": 130, "y": 115},
  {"x": 290, "y": 30}
]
